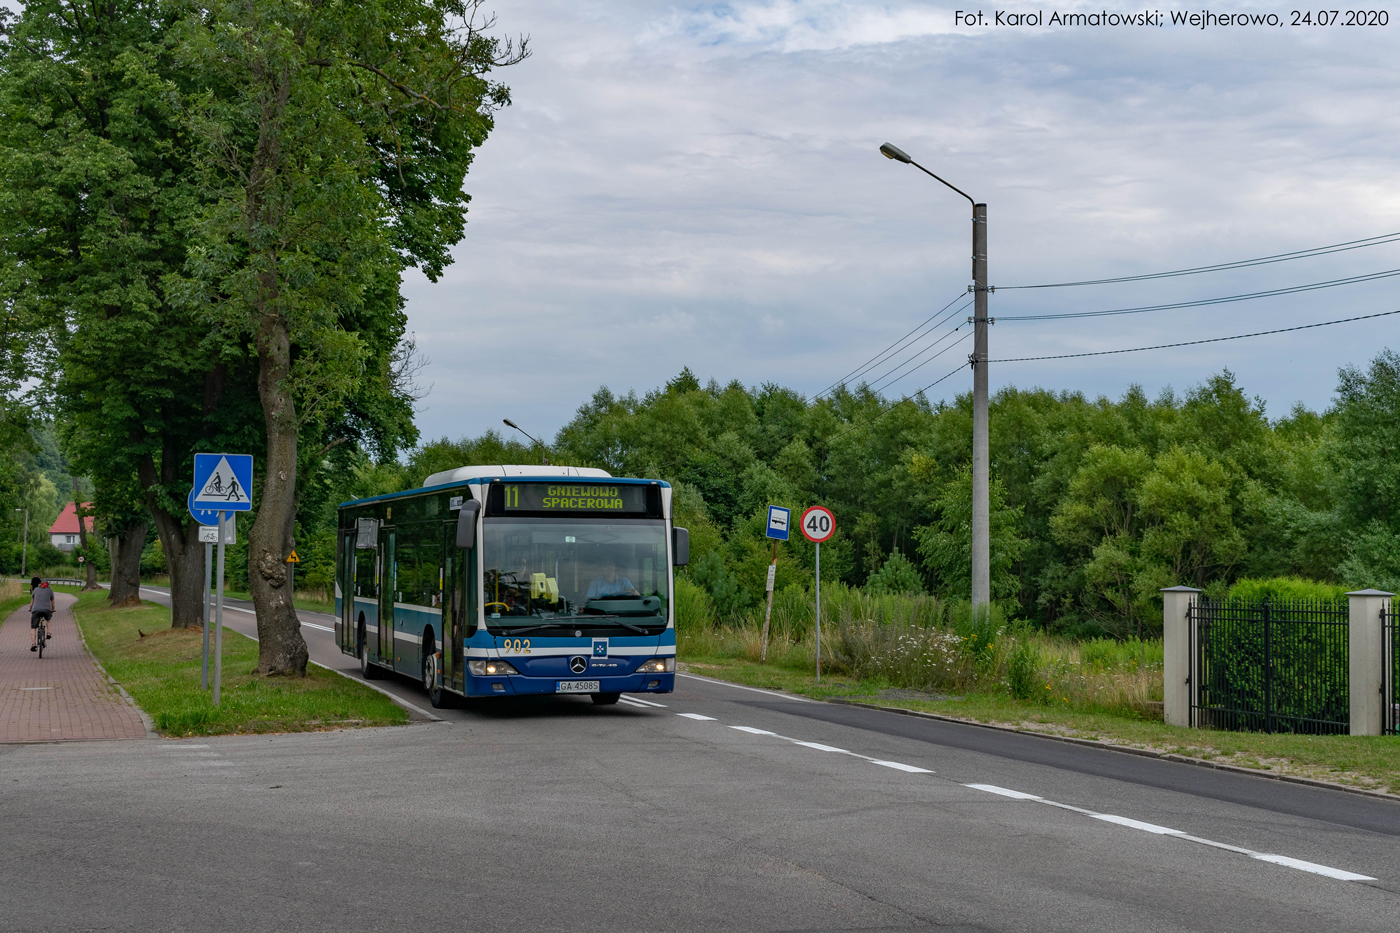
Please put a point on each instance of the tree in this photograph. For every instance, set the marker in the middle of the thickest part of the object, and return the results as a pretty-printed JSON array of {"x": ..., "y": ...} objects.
[
  {"x": 946, "y": 544},
  {"x": 98, "y": 209},
  {"x": 334, "y": 141}
]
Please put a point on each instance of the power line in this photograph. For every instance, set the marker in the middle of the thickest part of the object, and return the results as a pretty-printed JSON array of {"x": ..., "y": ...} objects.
[
  {"x": 1221, "y": 267},
  {"x": 885, "y": 353},
  {"x": 1192, "y": 343},
  {"x": 1290, "y": 290},
  {"x": 950, "y": 346},
  {"x": 860, "y": 424}
]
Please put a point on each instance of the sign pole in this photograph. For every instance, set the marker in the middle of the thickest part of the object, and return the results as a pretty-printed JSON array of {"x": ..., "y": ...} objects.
[
  {"x": 818, "y": 525},
  {"x": 768, "y": 613},
  {"x": 219, "y": 613},
  {"x": 208, "y": 573},
  {"x": 819, "y": 612}
]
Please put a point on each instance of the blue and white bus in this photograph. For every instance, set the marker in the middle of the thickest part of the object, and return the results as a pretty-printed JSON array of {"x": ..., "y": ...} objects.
[{"x": 513, "y": 580}]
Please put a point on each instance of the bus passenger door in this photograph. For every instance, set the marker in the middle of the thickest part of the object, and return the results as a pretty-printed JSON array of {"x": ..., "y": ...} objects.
[
  {"x": 451, "y": 610},
  {"x": 345, "y": 590},
  {"x": 459, "y": 607},
  {"x": 388, "y": 592}
]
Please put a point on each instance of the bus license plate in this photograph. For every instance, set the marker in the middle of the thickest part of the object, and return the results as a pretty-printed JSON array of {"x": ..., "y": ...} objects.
[{"x": 578, "y": 686}]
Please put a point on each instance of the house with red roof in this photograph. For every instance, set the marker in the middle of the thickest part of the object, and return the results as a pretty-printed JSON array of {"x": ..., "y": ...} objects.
[{"x": 63, "y": 534}]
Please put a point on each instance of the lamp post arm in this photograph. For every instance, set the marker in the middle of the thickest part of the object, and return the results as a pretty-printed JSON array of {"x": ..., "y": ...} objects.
[{"x": 936, "y": 178}]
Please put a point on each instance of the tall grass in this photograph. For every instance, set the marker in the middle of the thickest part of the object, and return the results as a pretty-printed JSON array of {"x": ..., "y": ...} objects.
[{"x": 924, "y": 643}]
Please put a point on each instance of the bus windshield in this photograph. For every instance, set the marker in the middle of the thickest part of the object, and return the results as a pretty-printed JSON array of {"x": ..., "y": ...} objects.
[{"x": 575, "y": 571}]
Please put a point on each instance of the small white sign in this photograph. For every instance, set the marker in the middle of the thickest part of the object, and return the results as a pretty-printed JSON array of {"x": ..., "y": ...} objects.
[
  {"x": 209, "y": 534},
  {"x": 772, "y": 575}
]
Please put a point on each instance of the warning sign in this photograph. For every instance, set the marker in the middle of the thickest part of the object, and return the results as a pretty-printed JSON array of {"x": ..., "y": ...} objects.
[
  {"x": 293, "y": 559},
  {"x": 222, "y": 481}
]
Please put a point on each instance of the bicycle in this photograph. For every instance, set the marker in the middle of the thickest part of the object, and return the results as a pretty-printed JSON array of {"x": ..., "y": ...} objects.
[{"x": 41, "y": 634}]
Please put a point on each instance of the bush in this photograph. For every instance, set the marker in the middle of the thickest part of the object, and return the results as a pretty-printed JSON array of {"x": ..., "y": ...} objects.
[
  {"x": 896, "y": 575},
  {"x": 723, "y": 587},
  {"x": 695, "y": 611},
  {"x": 1277, "y": 588},
  {"x": 1022, "y": 671}
]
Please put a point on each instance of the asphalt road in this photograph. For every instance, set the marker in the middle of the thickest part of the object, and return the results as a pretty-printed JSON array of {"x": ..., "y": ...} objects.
[{"x": 716, "y": 807}]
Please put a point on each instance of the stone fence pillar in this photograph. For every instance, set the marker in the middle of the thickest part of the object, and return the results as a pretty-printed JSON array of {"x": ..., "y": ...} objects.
[
  {"x": 1366, "y": 657},
  {"x": 1178, "y": 686}
]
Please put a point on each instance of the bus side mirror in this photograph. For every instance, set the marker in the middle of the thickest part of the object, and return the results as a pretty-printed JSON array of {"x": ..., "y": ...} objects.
[
  {"x": 680, "y": 546},
  {"x": 466, "y": 523}
]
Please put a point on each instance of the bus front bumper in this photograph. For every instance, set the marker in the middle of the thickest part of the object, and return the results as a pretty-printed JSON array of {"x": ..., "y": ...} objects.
[{"x": 520, "y": 685}]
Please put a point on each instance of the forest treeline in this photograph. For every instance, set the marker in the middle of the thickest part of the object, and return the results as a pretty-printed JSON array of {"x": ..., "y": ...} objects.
[{"x": 1097, "y": 503}]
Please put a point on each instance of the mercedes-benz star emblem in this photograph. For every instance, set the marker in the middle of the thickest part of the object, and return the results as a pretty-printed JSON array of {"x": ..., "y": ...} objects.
[{"x": 578, "y": 664}]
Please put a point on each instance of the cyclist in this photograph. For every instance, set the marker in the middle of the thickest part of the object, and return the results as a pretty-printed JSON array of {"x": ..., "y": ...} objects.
[{"x": 40, "y": 607}]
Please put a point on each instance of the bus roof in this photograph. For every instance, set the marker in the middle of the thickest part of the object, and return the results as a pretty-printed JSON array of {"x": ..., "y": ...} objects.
[
  {"x": 463, "y": 473},
  {"x": 462, "y": 477}
]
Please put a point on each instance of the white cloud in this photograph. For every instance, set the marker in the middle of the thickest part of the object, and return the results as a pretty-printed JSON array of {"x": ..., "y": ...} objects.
[{"x": 699, "y": 186}]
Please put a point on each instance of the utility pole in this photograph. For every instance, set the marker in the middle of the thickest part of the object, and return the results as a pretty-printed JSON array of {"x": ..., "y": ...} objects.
[{"x": 981, "y": 454}]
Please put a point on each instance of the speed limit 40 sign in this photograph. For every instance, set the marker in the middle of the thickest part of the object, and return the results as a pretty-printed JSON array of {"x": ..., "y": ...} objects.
[{"x": 818, "y": 524}]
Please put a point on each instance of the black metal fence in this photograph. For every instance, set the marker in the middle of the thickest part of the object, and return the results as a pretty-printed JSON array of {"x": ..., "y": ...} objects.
[
  {"x": 1271, "y": 665},
  {"x": 1390, "y": 668}
]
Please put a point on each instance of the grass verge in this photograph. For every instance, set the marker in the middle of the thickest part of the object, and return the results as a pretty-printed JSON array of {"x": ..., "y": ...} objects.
[
  {"x": 1368, "y": 762},
  {"x": 160, "y": 668}
]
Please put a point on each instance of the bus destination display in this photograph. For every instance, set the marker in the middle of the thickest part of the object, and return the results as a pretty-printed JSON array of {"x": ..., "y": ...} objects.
[{"x": 574, "y": 497}]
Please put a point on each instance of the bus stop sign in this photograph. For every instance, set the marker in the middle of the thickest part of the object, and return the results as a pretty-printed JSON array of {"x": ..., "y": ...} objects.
[{"x": 778, "y": 522}]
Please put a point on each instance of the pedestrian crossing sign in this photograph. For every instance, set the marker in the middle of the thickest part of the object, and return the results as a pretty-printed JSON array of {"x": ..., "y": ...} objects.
[{"x": 223, "y": 482}]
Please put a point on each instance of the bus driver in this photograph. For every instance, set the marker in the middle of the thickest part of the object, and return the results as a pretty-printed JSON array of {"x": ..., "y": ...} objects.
[{"x": 609, "y": 585}]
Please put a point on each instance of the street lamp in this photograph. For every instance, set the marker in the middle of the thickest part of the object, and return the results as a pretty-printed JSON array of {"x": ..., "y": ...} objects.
[
  {"x": 981, "y": 510},
  {"x": 544, "y": 454},
  {"x": 24, "y": 545}
]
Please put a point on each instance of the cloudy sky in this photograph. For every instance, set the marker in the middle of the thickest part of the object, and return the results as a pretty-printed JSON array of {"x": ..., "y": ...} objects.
[{"x": 699, "y": 185}]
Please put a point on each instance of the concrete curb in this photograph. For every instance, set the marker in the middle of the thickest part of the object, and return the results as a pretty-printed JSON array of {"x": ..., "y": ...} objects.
[
  {"x": 146, "y": 720},
  {"x": 1128, "y": 750}
]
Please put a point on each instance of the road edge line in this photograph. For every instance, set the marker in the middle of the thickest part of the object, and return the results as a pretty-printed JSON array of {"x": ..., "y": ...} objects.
[
  {"x": 1128, "y": 750},
  {"x": 378, "y": 689}
]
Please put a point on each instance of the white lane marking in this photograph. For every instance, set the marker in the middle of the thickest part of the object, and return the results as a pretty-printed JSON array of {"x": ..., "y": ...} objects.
[
  {"x": 725, "y": 683},
  {"x": 324, "y": 628},
  {"x": 1313, "y": 867},
  {"x": 1284, "y": 860},
  {"x": 179, "y": 748},
  {"x": 630, "y": 703},
  {"x": 993, "y": 789},
  {"x": 628, "y": 696},
  {"x": 36, "y": 688},
  {"x": 698, "y": 716},
  {"x": 898, "y": 766},
  {"x": 1138, "y": 824}
]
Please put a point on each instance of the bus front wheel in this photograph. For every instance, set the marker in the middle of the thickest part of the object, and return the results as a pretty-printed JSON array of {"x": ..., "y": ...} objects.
[{"x": 605, "y": 699}]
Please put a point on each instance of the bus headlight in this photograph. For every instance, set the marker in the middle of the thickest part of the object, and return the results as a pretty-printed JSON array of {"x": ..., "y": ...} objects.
[
  {"x": 490, "y": 667},
  {"x": 658, "y": 666}
]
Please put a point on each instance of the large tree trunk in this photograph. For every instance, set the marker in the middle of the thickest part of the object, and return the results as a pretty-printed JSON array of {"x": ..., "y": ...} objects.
[
  {"x": 90, "y": 568},
  {"x": 126, "y": 566},
  {"x": 179, "y": 536},
  {"x": 281, "y": 649}
]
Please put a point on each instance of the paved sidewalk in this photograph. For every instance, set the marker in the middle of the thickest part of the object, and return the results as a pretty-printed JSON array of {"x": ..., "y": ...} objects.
[{"x": 63, "y": 695}]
